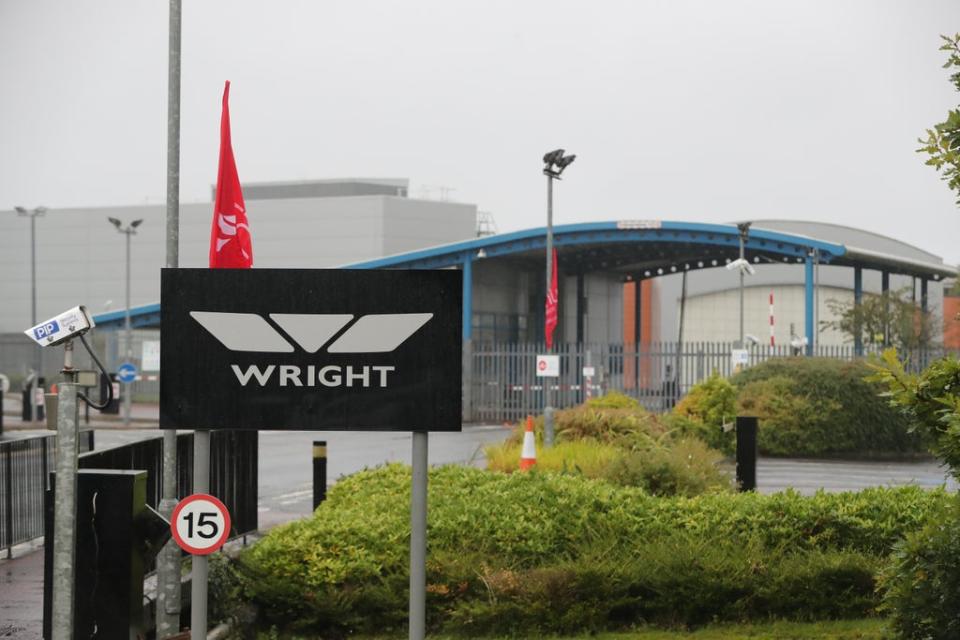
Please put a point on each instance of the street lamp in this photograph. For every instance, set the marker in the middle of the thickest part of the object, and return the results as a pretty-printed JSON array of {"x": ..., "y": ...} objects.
[
  {"x": 745, "y": 267},
  {"x": 33, "y": 214},
  {"x": 554, "y": 162},
  {"x": 129, "y": 230}
]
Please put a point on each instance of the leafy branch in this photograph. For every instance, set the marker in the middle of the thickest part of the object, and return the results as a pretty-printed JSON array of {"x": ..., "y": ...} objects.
[{"x": 942, "y": 143}]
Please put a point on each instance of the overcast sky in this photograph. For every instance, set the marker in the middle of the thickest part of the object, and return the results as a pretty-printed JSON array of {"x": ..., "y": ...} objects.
[{"x": 679, "y": 110}]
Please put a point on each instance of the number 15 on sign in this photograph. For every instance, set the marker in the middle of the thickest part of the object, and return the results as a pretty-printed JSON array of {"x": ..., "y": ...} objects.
[{"x": 200, "y": 524}]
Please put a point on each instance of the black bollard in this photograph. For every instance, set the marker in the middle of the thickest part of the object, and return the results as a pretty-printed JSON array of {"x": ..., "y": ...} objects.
[
  {"x": 746, "y": 453},
  {"x": 319, "y": 472}
]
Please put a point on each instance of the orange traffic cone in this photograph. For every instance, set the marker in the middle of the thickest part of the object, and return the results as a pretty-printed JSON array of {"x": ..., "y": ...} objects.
[{"x": 528, "y": 456}]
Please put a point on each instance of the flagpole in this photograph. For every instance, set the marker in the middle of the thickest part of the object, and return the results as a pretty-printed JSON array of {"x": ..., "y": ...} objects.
[
  {"x": 168, "y": 564},
  {"x": 228, "y": 249},
  {"x": 548, "y": 408}
]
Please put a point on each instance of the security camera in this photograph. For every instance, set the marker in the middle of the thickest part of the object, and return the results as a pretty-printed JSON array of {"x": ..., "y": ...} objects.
[
  {"x": 752, "y": 340},
  {"x": 66, "y": 326},
  {"x": 741, "y": 264}
]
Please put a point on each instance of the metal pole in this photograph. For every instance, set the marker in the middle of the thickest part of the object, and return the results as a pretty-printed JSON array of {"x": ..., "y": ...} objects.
[
  {"x": 168, "y": 564},
  {"x": 741, "y": 292},
  {"x": 816, "y": 298},
  {"x": 418, "y": 538},
  {"x": 548, "y": 409},
  {"x": 678, "y": 390},
  {"x": 128, "y": 354},
  {"x": 37, "y": 354},
  {"x": 65, "y": 509},
  {"x": 9, "y": 499},
  {"x": 200, "y": 574}
]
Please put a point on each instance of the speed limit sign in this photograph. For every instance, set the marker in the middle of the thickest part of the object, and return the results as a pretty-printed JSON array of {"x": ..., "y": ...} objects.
[{"x": 200, "y": 524}]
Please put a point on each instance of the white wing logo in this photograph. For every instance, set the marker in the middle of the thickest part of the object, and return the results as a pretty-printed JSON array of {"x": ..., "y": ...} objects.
[{"x": 228, "y": 229}]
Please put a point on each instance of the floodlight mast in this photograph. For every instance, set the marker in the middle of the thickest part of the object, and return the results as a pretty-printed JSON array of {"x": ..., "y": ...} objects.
[
  {"x": 129, "y": 230},
  {"x": 33, "y": 214},
  {"x": 554, "y": 162}
]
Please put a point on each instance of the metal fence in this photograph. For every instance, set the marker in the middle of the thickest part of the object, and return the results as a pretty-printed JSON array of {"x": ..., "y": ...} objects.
[
  {"x": 233, "y": 470},
  {"x": 504, "y": 386},
  {"x": 25, "y": 466},
  {"x": 18, "y": 354}
]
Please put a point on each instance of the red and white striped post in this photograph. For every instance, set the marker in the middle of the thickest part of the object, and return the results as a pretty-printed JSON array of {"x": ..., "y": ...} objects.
[{"x": 772, "y": 340}]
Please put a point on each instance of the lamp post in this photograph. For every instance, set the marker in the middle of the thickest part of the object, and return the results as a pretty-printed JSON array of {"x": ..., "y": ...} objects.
[
  {"x": 744, "y": 230},
  {"x": 129, "y": 230},
  {"x": 33, "y": 214},
  {"x": 554, "y": 162}
]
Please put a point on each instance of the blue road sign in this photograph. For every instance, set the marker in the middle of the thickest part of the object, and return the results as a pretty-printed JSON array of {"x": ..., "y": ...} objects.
[{"x": 127, "y": 373}]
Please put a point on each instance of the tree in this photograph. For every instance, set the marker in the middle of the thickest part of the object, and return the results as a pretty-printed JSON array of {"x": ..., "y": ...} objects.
[
  {"x": 890, "y": 318},
  {"x": 942, "y": 143}
]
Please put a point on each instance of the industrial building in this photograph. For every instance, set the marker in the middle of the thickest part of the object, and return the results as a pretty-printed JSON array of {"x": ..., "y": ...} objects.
[{"x": 627, "y": 284}]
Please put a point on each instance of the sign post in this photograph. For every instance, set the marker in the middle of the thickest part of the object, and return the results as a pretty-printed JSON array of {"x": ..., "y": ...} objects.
[{"x": 313, "y": 350}]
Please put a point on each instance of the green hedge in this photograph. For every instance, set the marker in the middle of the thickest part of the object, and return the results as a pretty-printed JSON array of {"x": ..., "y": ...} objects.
[
  {"x": 807, "y": 407},
  {"x": 921, "y": 583},
  {"x": 535, "y": 553},
  {"x": 613, "y": 438}
]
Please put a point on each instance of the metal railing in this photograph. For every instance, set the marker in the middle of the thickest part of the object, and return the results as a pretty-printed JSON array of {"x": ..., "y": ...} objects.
[
  {"x": 25, "y": 465},
  {"x": 24, "y": 472},
  {"x": 504, "y": 386},
  {"x": 233, "y": 470}
]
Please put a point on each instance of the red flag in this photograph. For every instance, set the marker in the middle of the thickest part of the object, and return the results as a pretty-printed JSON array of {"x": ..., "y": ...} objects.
[
  {"x": 230, "y": 244},
  {"x": 550, "y": 314}
]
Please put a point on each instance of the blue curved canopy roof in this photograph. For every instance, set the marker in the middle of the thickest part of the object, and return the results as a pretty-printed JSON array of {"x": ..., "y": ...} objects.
[
  {"x": 637, "y": 249},
  {"x": 630, "y": 246}
]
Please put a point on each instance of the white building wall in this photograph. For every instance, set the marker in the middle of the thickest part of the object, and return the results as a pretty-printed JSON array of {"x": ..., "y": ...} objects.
[
  {"x": 716, "y": 316},
  {"x": 80, "y": 255}
]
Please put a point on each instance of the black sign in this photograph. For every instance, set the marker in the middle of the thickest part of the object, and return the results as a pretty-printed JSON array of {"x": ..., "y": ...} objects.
[{"x": 310, "y": 349}]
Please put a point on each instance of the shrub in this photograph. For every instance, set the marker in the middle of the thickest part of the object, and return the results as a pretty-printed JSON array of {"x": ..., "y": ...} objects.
[
  {"x": 931, "y": 399},
  {"x": 677, "y": 582},
  {"x": 921, "y": 584},
  {"x": 792, "y": 424},
  {"x": 687, "y": 467},
  {"x": 613, "y": 400},
  {"x": 711, "y": 402},
  {"x": 857, "y": 420},
  {"x": 806, "y": 406},
  {"x": 626, "y": 427},
  {"x": 534, "y": 553}
]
